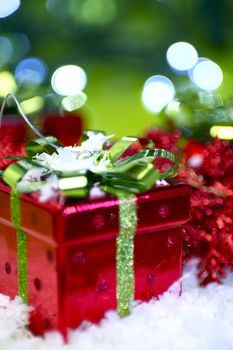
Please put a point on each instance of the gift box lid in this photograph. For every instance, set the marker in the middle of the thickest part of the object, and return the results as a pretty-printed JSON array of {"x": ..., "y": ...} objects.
[{"x": 86, "y": 220}]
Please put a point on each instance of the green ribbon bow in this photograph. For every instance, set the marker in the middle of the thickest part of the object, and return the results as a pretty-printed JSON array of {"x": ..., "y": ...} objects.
[
  {"x": 134, "y": 174},
  {"x": 123, "y": 178}
]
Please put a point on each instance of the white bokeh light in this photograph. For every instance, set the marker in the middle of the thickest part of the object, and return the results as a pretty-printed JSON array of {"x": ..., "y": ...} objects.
[
  {"x": 68, "y": 80},
  {"x": 207, "y": 75},
  {"x": 199, "y": 60},
  {"x": 158, "y": 91},
  {"x": 7, "y": 7},
  {"x": 182, "y": 56}
]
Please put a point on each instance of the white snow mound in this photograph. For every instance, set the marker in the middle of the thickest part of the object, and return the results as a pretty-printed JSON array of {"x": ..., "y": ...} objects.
[{"x": 201, "y": 319}]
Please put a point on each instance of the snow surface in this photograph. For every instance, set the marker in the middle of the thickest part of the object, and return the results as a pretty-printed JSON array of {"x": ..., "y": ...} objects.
[{"x": 202, "y": 318}]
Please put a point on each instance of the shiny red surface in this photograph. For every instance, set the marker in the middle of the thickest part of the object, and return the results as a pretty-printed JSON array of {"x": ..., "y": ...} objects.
[
  {"x": 67, "y": 128},
  {"x": 12, "y": 139},
  {"x": 72, "y": 250}
]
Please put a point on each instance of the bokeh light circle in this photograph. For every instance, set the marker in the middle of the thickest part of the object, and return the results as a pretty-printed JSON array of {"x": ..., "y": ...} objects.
[
  {"x": 7, "y": 7},
  {"x": 158, "y": 91},
  {"x": 207, "y": 75},
  {"x": 182, "y": 56},
  {"x": 74, "y": 102},
  {"x": 68, "y": 80},
  {"x": 7, "y": 83},
  {"x": 21, "y": 45},
  {"x": 6, "y": 50},
  {"x": 190, "y": 71},
  {"x": 31, "y": 71},
  {"x": 101, "y": 12}
]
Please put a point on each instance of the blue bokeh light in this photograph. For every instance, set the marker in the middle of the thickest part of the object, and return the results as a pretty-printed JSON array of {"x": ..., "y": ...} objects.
[{"x": 31, "y": 71}]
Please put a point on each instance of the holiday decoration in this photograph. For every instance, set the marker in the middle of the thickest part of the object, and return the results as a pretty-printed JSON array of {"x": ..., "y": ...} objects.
[
  {"x": 208, "y": 169},
  {"x": 209, "y": 233},
  {"x": 84, "y": 230}
]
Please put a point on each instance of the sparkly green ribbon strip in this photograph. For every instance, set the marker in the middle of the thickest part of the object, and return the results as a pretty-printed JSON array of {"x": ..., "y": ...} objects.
[
  {"x": 21, "y": 245},
  {"x": 125, "y": 252}
]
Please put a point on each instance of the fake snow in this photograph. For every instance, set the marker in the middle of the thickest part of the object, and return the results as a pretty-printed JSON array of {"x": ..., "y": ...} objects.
[
  {"x": 161, "y": 183},
  {"x": 195, "y": 161},
  {"x": 201, "y": 319},
  {"x": 50, "y": 189}
]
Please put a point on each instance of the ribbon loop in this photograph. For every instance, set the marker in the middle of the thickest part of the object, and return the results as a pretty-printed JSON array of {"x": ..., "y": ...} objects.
[
  {"x": 15, "y": 171},
  {"x": 120, "y": 147},
  {"x": 74, "y": 187},
  {"x": 47, "y": 144}
]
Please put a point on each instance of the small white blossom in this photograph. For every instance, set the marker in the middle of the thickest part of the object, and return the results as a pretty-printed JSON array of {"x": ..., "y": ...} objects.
[
  {"x": 78, "y": 158},
  {"x": 162, "y": 183},
  {"x": 94, "y": 142},
  {"x": 50, "y": 189},
  {"x": 34, "y": 174},
  {"x": 96, "y": 192},
  {"x": 31, "y": 181}
]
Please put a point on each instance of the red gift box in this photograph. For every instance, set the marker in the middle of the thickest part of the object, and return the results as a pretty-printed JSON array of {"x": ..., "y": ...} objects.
[{"x": 71, "y": 253}]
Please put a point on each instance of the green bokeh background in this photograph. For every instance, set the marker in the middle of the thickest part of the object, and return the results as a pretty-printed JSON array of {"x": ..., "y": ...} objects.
[{"x": 120, "y": 44}]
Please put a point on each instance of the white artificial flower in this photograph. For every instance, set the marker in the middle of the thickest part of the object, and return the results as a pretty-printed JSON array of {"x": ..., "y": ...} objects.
[
  {"x": 50, "y": 189},
  {"x": 161, "y": 182},
  {"x": 34, "y": 174},
  {"x": 84, "y": 157},
  {"x": 95, "y": 142},
  {"x": 31, "y": 181},
  {"x": 96, "y": 192}
]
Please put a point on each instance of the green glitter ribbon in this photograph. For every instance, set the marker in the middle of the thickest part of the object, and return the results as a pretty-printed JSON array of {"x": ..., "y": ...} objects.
[
  {"x": 21, "y": 245},
  {"x": 125, "y": 252}
]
